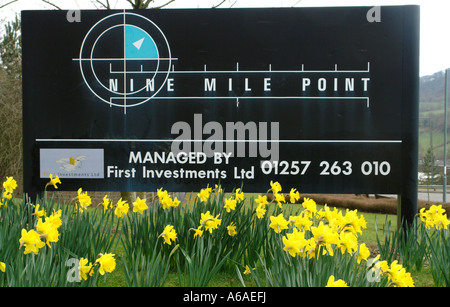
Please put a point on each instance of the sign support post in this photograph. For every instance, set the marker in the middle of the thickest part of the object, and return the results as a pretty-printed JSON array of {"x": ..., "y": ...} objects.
[{"x": 410, "y": 111}]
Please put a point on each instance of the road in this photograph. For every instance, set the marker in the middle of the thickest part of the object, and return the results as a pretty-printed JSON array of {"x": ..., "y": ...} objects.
[{"x": 433, "y": 196}]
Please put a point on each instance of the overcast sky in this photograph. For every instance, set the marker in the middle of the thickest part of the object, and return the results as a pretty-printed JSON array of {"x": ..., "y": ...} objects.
[{"x": 435, "y": 20}]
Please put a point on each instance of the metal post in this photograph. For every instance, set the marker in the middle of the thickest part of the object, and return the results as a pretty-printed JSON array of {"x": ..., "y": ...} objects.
[{"x": 444, "y": 198}]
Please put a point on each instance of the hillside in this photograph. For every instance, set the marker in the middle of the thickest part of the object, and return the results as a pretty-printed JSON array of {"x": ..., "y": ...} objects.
[
  {"x": 432, "y": 87},
  {"x": 431, "y": 114}
]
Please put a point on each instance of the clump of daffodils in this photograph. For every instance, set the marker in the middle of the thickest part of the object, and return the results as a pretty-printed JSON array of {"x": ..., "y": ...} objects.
[
  {"x": 9, "y": 185},
  {"x": 396, "y": 273},
  {"x": 323, "y": 231},
  {"x": 209, "y": 222},
  {"x": 46, "y": 232},
  {"x": 434, "y": 217},
  {"x": 105, "y": 262},
  {"x": 166, "y": 200},
  {"x": 232, "y": 201}
]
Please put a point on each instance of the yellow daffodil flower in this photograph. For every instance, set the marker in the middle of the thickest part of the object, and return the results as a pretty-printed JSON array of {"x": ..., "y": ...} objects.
[
  {"x": 107, "y": 203},
  {"x": 39, "y": 213},
  {"x": 31, "y": 240},
  {"x": 53, "y": 181},
  {"x": 260, "y": 211},
  {"x": 85, "y": 269},
  {"x": 168, "y": 234},
  {"x": 121, "y": 208},
  {"x": 338, "y": 283},
  {"x": 10, "y": 185},
  {"x": 48, "y": 231},
  {"x": 293, "y": 196},
  {"x": 231, "y": 229},
  {"x": 247, "y": 270},
  {"x": 107, "y": 263},
  {"x": 261, "y": 201},
  {"x": 363, "y": 252},
  {"x": 139, "y": 205},
  {"x": 275, "y": 187},
  {"x": 209, "y": 221},
  {"x": 204, "y": 194},
  {"x": 278, "y": 223},
  {"x": 197, "y": 231},
  {"x": 230, "y": 204},
  {"x": 239, "y": 196},
  {"x": 83, "y": 199}
]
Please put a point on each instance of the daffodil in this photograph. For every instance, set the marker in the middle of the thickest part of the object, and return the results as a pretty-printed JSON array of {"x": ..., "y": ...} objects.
[
  {"x": 231, "y": 229},
  {"x": 31, "y": 240},
  {"x": 247, "y": 270},
  {"x": 338, "y": 283},
  {"x": 279, "y": 198},
  {"x": 53, "y": 181},
  {"x": 434, "y": 217},
  {"x": 239, "y": 195},
  {"x": 2, "y": 267},
  {"x": 167, "y": 202},
  {"x": 83, "y": 199},
  {"x": 294, "y": 196},
  {"x": 85, "y": 269},
  {"x": 139, "y": 205},
  {"x": 218, "y": 188},
  {"x": 10, "y": 185},
  {"x": 261, "y": 200},
  {"x": 48, "y": 231},
  {"x": 55, "y": 218},
  {"x": 230, "y": 204},
  {"x": 121, "y": 208},
  {"x": 302, "y": 221},
  {"x": 39, "y": 213},
  {"x": 310, "y": 206},
  {"x": 260, "y": 211},
  {"x": 209, "y": 221},
  {"x": 197, "y": 231},
  {"x": 107, "y": 263},
  {"x": 363, "y": 252},
  {"x": 347, "y": 242},
  {"x": 397, "y": 274},
  {"x": 162, "y": 194},
  {"x": 168, "y": 234},
  {"x": 203, "y": 195},
  {"x": 107, "y": 203},
  {"x": 325, "y": 236},
  {"x": 294, "y": 242},
  {"x": 275, "y": 187},
  {"x": 278, "y": 223},
  {"x": 352, "y": 222}
]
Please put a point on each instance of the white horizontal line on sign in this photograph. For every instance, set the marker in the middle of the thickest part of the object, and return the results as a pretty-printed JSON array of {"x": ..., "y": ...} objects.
[{"x": 225, "y": 141}]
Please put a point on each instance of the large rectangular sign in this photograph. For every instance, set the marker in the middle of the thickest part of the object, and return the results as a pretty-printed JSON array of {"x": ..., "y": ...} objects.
[{"x": 319, "y": 99}]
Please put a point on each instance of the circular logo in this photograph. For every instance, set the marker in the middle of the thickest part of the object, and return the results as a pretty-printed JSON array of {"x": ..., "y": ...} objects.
[{"x": 125, "y": 59}]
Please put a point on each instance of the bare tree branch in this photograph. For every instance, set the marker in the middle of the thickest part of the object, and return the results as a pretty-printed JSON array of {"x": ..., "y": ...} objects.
[
  {"x": 217, "y": 5},
  {"x": 106, "y": 6},
  {"x": 3, "y": 5},
  {"x": 296, "y": 3},
  {"x": 161, "y": 6},
  {"x": 54, "y": 5}
]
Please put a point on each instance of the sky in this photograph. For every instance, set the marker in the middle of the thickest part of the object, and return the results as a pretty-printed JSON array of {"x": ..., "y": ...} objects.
[{"x": 434, "y": 24}]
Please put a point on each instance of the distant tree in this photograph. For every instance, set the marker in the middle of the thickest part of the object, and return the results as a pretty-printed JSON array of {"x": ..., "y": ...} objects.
[{"x": 11, "y": 101}]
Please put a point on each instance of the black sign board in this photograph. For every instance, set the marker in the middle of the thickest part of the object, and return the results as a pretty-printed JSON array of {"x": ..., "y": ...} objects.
[{"x": 320, "y": 99}]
